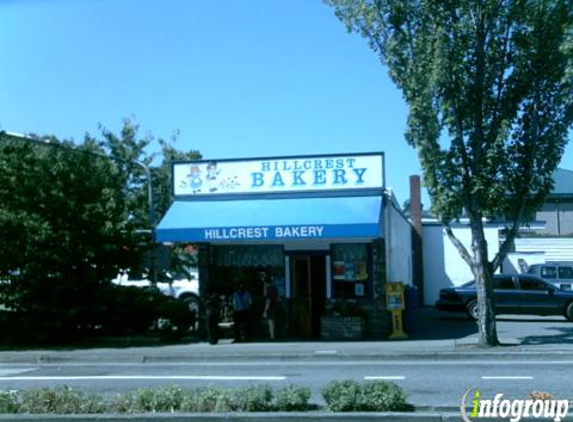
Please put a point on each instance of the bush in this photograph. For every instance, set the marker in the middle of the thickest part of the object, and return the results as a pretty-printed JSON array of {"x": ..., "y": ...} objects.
[
  {"x": 342, "y": 396},
  {"x": 293, "y": 398},
  {"x": 214, "y": 399},
  {"x": 144, "y": 400},
  {"x": 382, "y": 396},
  {"x": 257, "y": 398},
  {"x": 128, "y": 309},
  {"x": 8, "y": 402},
  {"x": 374, "y": 396},
  {"x": 60, "y": 400},
  {"x": 176, "y": 314}
]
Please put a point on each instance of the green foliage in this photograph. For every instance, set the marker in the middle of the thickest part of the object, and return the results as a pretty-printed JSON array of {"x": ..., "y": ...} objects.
[
  {"x": 489, "y": 87},
  {"x": 162, "y": 400},
  {"x": 293, "y": 398},
  {"x": 209, "y": 399},
  {"x": 375, "y": 396},
  {"x": 59, "y": 400},
  {"x": 489, "y": 90},
  {"x": 342, "y": 396},
  {"x": 75, "y": 219},
  {"x": 8, "y": 402},
  {"x": 381, "y": 396},
  {"x": 257, "y": 398}
]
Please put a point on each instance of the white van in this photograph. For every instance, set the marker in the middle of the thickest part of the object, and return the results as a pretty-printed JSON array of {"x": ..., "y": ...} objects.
[{"x": 558, "y": 273}]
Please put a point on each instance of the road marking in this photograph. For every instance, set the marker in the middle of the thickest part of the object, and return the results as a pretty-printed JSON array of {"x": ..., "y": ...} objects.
[
  {"x": 326, "y": 352},
  {"x": 11, "y": 371},
  {"x": 509, "y": 377},
  {"x": 386, "y": 378},
  {"x": 145, "y": 377}
]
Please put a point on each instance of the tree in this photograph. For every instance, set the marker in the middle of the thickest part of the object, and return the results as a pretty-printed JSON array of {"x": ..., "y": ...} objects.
[
  {"x": 64, "y": 230},
  {"x": 71, "y": 217},
  {"x": 488, "y": 84},
  {"x": 128, "y": 149}
]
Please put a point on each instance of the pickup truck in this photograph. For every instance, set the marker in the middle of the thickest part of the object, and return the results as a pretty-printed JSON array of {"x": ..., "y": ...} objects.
[{"x": 181, "y": 286}]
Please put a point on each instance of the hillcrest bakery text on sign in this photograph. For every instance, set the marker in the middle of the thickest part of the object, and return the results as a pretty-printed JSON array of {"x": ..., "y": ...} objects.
[{"x": 361, "y": 171}]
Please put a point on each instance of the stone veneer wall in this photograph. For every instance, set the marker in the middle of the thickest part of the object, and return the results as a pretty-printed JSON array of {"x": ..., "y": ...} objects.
[{"x": 377, "y": 322}]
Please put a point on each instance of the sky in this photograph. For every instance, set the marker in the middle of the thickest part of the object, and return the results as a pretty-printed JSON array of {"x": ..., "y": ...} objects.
[{"x": 234, "y": 78}]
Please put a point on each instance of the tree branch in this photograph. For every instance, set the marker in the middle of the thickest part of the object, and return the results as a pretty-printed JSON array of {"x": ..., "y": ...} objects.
[{"x": 459, "y": 245}]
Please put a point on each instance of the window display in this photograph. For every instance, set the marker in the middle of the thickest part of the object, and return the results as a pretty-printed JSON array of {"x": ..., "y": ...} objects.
[
  {"x": 350, "y": 270},
  {"x": 243, "y": 263}
]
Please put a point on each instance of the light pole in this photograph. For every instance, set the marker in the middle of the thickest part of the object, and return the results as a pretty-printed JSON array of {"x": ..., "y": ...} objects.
[{"x": 146, "y": 170}]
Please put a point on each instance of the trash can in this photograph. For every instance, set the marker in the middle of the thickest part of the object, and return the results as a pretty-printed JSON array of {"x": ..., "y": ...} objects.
[{"x": 412, "y": 299}]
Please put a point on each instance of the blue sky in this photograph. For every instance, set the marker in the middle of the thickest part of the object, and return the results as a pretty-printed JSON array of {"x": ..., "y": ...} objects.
[{"x": 236, "y": 78}]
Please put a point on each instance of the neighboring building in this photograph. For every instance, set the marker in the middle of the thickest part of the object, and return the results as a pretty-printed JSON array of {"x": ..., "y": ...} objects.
[
  {"x": 443, "y": 265},
  {"x": 557, "y": 212},
  {"x": 325, "y": 228},
  {"x": 548, "y": 238},
  {"x": 553, "y": 240}
]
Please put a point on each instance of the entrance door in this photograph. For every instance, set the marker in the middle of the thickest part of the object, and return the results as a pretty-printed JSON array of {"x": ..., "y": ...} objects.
[{"x": 308, "y": 291}]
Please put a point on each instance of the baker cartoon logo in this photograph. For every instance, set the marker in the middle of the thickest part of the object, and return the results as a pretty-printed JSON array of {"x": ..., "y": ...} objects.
[
  {"x": 212, "y": 174},
  {"x": 537, "y": 406},
  {"x": 195, "y": 180}
]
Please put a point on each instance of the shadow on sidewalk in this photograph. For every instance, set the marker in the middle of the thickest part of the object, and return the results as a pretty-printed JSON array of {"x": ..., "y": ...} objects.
[
  {"x": 431, "y": 324},
  {"x": 558, "y": 336}
]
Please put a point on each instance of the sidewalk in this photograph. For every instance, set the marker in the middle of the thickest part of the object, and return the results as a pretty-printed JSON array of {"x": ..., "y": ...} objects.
[{"x": 437, "y": 337}]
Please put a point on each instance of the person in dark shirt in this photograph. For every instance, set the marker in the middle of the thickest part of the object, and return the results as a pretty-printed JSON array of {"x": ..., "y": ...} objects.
[
  {"x": 242, "y": 302},
  {"x": 271, "y": 306}
]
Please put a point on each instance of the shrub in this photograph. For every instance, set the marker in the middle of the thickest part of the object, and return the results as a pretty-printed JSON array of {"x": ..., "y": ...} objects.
[
  {"x": 128, "y": 309},
  {"x": 342, "y": 396},
  {"x": 144, "y": 400},
  {"x": 254, "y": 399},
  {"x": 293, "y": 398},
  {"x": 382, "y": 396},
  {"x": 177, "y": 316},
  {"x": 215, "y": 399},
  {"x": 8, "y": 402},
  {"x": 59, "y": 400},
  {"x": 374, "y": 396}
]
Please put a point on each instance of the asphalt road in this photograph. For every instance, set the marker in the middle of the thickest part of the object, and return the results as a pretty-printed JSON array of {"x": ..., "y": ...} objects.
[
  {"x": 435, "y": 368},
  {"x": 427, "y": 383}
]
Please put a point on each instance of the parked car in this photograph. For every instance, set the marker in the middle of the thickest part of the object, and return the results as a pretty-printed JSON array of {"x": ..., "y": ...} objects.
[
  {"x": 514, "y": 294},
  {"x": 558, "y": 273}
]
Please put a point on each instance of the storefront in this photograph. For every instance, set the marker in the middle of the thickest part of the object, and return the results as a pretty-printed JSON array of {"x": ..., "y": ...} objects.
[{"x": 318, "y": 225}]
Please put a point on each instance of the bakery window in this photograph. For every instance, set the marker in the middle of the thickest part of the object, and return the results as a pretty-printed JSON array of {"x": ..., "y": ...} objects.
[{"x": 351, "y": 270}]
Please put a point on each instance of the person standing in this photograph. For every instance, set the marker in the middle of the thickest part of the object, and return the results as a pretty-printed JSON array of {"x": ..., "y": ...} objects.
[
  {"x": 242, "y": 302},
  {"x": 271, "y": 307}
]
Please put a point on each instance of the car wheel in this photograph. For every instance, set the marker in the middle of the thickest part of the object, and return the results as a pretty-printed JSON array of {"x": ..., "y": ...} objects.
[
  {"x": 473, "y": 310},
  {"x": 569, "y": 311}
]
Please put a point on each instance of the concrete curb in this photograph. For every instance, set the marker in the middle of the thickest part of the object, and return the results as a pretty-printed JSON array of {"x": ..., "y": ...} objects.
[{"x": 241, "y": 356}]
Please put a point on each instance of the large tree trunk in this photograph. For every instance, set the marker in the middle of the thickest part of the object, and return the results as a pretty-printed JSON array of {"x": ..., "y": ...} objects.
[{"x": 483, "y": 273}]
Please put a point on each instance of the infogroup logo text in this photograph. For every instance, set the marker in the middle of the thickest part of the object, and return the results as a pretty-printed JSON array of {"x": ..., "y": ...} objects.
[{"x": 513, "y": 410}]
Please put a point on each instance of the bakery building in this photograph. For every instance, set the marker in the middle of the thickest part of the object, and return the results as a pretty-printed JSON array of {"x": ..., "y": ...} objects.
[{"x": 324, "y": 227}]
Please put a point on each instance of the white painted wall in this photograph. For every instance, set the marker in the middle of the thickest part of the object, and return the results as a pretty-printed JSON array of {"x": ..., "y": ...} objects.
[
  {"x": 443, "y": 265},
  {"x": 399, "y": 237}
]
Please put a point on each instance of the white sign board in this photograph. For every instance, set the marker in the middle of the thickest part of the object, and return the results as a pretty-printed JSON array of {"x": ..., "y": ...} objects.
[{"x": 300, "y": 174}]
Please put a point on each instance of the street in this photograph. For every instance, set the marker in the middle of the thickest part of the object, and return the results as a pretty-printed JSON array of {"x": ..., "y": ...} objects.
[
  {"x": 426, "y": 382},
  {"x": 435, "y": 367}
]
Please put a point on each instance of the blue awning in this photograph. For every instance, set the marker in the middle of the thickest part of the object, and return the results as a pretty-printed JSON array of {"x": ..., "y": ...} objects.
[{"x": 272, "y": 219}]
